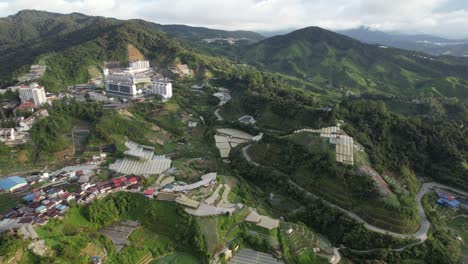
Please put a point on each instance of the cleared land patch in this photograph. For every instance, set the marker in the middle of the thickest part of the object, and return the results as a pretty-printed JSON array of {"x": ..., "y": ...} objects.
[
  {"x": 133, "y": 53},
  {"x": 119, "y": 232}
]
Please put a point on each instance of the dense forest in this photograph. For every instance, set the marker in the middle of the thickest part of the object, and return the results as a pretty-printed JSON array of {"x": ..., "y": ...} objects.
[{"x": 432, "y": 146}]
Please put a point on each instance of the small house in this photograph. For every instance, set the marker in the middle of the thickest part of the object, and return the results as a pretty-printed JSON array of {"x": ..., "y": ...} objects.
[{"x": 41, "y": 209}]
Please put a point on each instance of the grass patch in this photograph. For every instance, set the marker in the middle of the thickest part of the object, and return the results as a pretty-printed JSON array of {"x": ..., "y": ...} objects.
[
  {"x": 8, "y": 201},
  {"x": 208, "y": 229},
  {"x": 177, "y": 258}
]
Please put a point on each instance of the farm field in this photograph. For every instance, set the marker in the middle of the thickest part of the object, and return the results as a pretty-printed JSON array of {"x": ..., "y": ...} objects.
[{"x": 177, "y": 258}]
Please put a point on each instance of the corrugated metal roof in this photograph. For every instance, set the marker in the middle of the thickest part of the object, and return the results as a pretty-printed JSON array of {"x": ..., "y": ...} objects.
[{"x": 8, "y": 183}]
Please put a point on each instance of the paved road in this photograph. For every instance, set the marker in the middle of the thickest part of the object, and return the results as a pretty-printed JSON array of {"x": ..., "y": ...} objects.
[
  {"x": 220, "y": 118},
  {"x": 7, "y": 224},
  {"x": 336, "y": 253},
  {"x": 421, "y": 234}
]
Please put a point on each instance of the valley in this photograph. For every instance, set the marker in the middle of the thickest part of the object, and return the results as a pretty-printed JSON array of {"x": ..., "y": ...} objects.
[{"x": 137, "y": 142}]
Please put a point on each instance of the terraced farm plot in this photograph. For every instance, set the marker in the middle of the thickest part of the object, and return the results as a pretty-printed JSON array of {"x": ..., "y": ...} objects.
[
  {"x": 302, "y": 238},
  {"x": 249, "y": 256},
  {"x": 177, "y": 258}
]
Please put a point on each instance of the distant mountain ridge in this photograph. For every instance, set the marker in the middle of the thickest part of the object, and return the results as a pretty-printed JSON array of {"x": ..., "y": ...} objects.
[
  {"x": 327, "y": 61},
  {"x": 322, "y": 56},
  {"x": 28, "y": 25},
  {"x": 422, "y": 42}
]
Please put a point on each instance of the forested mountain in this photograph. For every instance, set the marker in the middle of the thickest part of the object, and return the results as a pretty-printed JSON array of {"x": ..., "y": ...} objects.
[
  {"x": 406, "y": 112},
  {"x": 320, "y": 57},
  {"x": 28, "y": 25},
  {"x": 323, "y": 56},
  {"x": 325, "y": 62},
  {"x": 424, "y": 43}
]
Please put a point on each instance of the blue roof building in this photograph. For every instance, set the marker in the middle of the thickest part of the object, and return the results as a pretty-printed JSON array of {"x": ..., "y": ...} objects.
[
  {"x": 13, "y": 183},
  {"x": 41, "y": 209},
  {"x": 452, "y": 203},
  {"x": 29, "y": 197}
]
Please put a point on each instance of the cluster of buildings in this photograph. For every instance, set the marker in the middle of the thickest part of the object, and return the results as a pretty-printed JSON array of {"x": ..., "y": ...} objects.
[
  {"x": 15, "y": 135},
  {"x": 123, "y": 83},
  {"x": 32, "y": 96},
  {"x": 42, "y": 205},
  {"x": 89, "y": 191},
  {"x": 451, "y": 200},
  {"x": 32, "y": 93}
]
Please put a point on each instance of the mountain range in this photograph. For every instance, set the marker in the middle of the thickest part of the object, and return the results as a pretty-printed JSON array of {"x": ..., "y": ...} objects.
[
  {"x": 323, "y": 56},
  {"x": 70, "y": 44},
  {"x": 425, "y": 43}
]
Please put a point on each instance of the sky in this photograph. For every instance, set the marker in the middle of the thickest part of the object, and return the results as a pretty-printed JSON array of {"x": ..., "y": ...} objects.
[{"x": 447, "y": 18}]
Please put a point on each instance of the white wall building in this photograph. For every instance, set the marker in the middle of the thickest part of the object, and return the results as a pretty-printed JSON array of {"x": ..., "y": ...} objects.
[
  {"x": 163, "y": 88},
  {"x": 34, "y": 93},
  {"x": 121, "y": 85},
  {"x": 138, "y": 66}
]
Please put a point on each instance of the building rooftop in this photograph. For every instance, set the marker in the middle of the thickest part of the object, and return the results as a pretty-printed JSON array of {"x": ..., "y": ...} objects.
[{"x": 10, "y": 182}]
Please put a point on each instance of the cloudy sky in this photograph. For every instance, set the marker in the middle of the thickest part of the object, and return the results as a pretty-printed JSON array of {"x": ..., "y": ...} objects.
[{"x": 447, "y": 18}]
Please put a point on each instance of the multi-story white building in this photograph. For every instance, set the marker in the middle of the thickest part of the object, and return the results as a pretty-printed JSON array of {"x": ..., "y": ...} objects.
[
  {"x": 34, "y": 93},
  {"x": 121, "y": 85},
  {"x": 163, "y": 88},
  {"x": 138, "y": 66}
]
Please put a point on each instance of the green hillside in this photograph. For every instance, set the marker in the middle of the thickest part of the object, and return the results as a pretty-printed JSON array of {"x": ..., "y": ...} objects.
[
  {"x": 322, "y": 56},
  {"x": 29, "y": 25}
]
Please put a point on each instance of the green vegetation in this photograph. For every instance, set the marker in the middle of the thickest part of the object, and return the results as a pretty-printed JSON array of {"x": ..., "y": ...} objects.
[
  {"x": 440, "y": 247},
  {"x": 177, "y": 258},
  {"x": 9, "y": 245},
  {"x": 459, "y": 225},
  {"x": 8, "y": 201},
  {"x": 433, "y": 147},
  {"x": 165, "y": 229},
  {"x": 315, "y": 54},
  {"x": 408, "y": 117},
  {"x": 298, "y": 246},
  {"x": 338, "y": 227},
  {"x": 313, "y": 167}
]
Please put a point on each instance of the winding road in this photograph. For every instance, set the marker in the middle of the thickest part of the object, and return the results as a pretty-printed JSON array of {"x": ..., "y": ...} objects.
[
  {"x": 421, "y": 234},
  {"x": 218, "y": 116}
]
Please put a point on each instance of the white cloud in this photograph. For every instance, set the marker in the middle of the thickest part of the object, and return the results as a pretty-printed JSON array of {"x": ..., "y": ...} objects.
[{"x": 401, "y": 15}]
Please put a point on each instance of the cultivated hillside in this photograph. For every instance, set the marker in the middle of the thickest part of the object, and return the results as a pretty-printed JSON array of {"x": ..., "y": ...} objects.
[{"x": 424, "y": 43}]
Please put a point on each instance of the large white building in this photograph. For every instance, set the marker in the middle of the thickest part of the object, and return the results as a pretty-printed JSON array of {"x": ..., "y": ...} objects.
[
  {"x": 163, "y": 88},
  {"x": 138, "y": 66},
  {"x": 121, "y": 85},
  {"x": 34, "y": 93}
]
